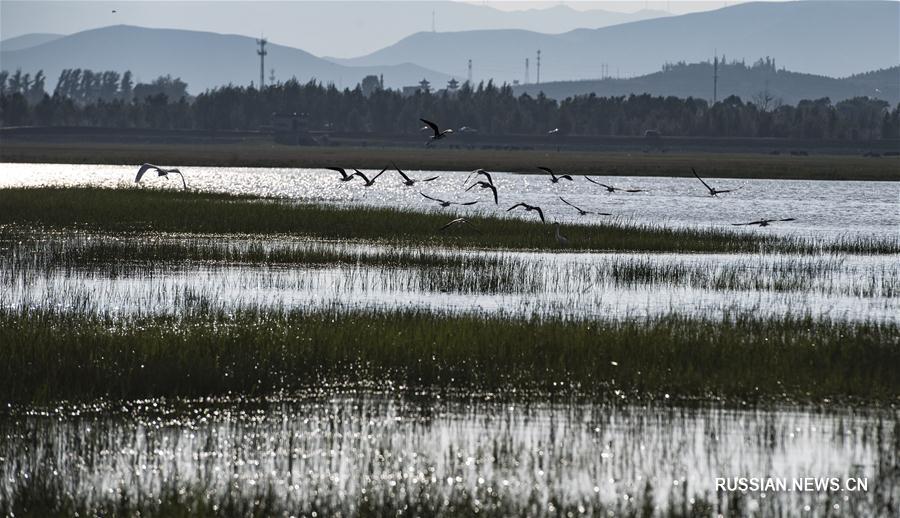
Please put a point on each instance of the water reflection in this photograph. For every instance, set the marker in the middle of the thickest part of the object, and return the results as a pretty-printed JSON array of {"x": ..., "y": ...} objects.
[
  {"x": 338, "y": 451},
  {"x": 823, "y": 209},
  {"x": 43, "y": 273}
]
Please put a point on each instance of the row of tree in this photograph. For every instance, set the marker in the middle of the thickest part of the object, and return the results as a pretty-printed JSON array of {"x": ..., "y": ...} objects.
[
  {"x": 487, "y": 108},
  {"x": 86, "y": 86}
]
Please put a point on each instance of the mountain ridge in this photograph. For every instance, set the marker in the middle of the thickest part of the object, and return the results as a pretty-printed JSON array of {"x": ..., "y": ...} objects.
[
  {"x": 823, "y": 38},
  {"x": 750, "y": 83},
  {"x": 202, "y": 59}
]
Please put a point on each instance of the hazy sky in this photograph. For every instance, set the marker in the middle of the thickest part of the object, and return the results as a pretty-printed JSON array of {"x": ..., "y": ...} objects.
[
  {"x": 672, "y": 6},
  {"x": 338, "y": 29}
]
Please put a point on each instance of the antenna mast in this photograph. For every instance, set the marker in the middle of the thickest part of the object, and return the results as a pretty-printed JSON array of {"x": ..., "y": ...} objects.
[
  {"x": 527, "y": 79},
  {"x": 262, "y": 61},
  {"x": 716, "y": 78},
  {"x": 469, "y": 76},
  {"x": 538, "y": 67}
]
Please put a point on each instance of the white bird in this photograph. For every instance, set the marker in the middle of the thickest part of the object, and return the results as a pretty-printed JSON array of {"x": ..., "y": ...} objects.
[
  {"x": 161, "y": 171},
  {"x": 561, "y": 239},
  {"x": 438, "y": 134},
  {"x": 459, "y": 221}
]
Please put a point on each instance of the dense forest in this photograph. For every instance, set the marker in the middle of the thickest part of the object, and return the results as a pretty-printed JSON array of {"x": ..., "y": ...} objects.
[{"x": 108, "y": 99}]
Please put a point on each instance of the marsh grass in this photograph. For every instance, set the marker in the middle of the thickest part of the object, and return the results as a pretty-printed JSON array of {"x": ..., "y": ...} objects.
[
  {"x": 460, "y": 271},
  {"x": 151, "y": 210},
  {"x": 44, "y": 495},
  {"x": 47, "y": 355}
]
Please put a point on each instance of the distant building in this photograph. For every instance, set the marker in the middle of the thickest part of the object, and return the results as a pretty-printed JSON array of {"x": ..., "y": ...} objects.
[
  {"x": 409, "y": 91},
  {"x": 452, "y": 85},
  {"x": 423, "y": 86}
]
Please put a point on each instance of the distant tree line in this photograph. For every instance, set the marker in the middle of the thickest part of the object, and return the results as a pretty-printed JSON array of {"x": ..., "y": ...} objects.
[
  {"x": 86, "y": 86},
  {"x": 103, "y": 100}
]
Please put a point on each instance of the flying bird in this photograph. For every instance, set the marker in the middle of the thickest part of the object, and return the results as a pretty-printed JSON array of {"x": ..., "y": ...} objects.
[
  {"x": 344, "y": 176},
  {"x": 560, "y": 238},
  {"x": 763, "y": 222},
  {"x": 438, "y": 134},
  {"x": 445, "y": 203},
  {"x": 582, "y": 212},
  {"x": 553, "y": 177},
  {"x": 712, "y": 192},
  {"x": 485, "y": 185},
  {"x": 480, "y": 172},
  {"x": 459, "y": 221},
  {"x": 367, "y": 182},
  {"x": 161, "y": 171},
  {"x": 529, "y": 208},
  {"x": 610, "y": 188},
  {"x": 410, "y": 181}
]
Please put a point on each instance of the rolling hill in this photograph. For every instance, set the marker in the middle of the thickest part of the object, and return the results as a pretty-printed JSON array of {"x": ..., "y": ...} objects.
[
  {"x": 323, "y": 27},
  {"x": 202, "y": 59},
  {"x": 827, "y": 38},
  {"x": 28, "y": 40},
  {"x": 747, "y": 82}
]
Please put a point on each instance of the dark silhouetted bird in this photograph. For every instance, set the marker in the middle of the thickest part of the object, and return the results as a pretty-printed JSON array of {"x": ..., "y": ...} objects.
[
  {"x": 411, "y": 181},
  {"x": 485, "y": 185},
  {"x": 367, "y": 182},
  {"x": 344, "y": 176},
  {"x": 582, "y": 212},
  {"x": 444, "y": 203},
  {"x": 553, "y": 177},
  {"x": 712, "y": 192},
  {"x": 610, "y": 188},
  {"x": 763, "y": 222},
  {"x": 528, "y": 208}
]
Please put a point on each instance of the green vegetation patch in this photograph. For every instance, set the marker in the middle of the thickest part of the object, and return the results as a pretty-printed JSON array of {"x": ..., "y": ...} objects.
[{"x": 47, "y": 356}]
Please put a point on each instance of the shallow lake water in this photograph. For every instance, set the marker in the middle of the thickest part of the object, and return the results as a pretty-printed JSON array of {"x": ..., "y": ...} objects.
[
  {"x": 823, "y": 209},
  {"x": 515, "y": 284},
  {"x": 340, "y": 450}
]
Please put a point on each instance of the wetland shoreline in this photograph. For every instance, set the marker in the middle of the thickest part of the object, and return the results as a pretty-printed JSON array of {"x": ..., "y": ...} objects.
[{"x": 265, "y": 154}]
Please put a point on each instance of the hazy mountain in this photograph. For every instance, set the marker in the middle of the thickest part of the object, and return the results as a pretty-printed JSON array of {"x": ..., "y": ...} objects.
[
  {"x": 750, "y": 83},
  {"x": 829, "y": 38},
  {"x": 27, "y": 40},
  {"x": 344, "y": 29},
  {"x": 202, "y": 59}
]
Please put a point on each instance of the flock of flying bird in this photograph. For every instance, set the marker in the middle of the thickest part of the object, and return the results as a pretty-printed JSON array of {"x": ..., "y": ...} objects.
[{"x": 484, "y": 181}]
